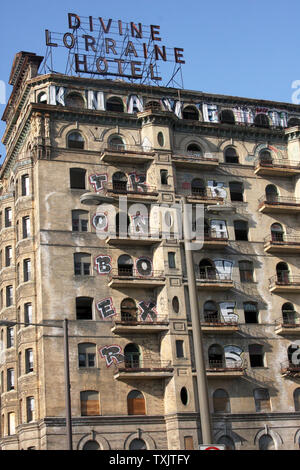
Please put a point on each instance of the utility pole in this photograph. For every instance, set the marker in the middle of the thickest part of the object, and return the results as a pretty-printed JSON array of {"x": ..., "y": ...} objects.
[{"x": 205, "y": 419}]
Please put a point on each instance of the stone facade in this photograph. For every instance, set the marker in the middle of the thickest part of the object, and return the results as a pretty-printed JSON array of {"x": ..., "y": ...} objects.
[{"x": 71, "y": 144}]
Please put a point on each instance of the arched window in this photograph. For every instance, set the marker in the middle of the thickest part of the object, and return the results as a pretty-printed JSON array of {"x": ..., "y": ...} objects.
[
  {"x": 195, "y": 149},
  {"x": 115, "y": 105},
  {"x": 293, "y": 122},
  {"x": 241, "y": 230},
  {"x": 246, "y": 271},
  {"x": 261, "y": 120},
  {"x": 211, "y": 312},
  {"x": 277, "y": 233},
  {"x": 84, "y": 308},
  {"x": 89, "y": 401},
  {"x": 256, "y": 354},
  {"x": 132, "y": 356},
  {"x": 77, "y": 178},
  {"x": 216, "y": 356},
  {"x": 137, "y": 444},
  {"x": 283, "y": 273},
  {"x": 236, "y": 191},
  {"x": 125, "y": 266},
  {"x": 207, "y": 269},
  {"x": 42, "y": 97},
  {"x": 86, "y": 355},
  {"x": 184, "y": 396},
  {"x": 75, "y": 140},
  {"x": 227, "y": 442},
  {"x": 271, "y": 193},
  {"x": 116, "y": 143},
  {"x": 198, "y": 187},
  {"x": 91, "y": 445},
  {"x": 74, "y": 100},
  {"x": 136, "y": 403},
  {"x": 226, "y": 116},
  {"x": 190, "y": 113},
  {"x": 250, "y": 312},
  {"x": 265, "y": 157},
  {"x": 221, "y": 402},
  {"x": 296, "y": 396},
  {"x": 230, "y": 155},
  {"x": 128, "y": 310},
  {"x": 119, "y": 182},
  {"x": 266, "y": 443},
  {"x": 289, "y": 316},
  {"x": 262, "y": 400}
]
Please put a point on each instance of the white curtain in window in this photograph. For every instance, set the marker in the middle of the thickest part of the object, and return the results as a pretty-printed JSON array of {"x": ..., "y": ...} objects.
[
  {"x": 217, "y": 189},
  {"x": 210, "y": 112},
  {"x": 178, "y": 109}
]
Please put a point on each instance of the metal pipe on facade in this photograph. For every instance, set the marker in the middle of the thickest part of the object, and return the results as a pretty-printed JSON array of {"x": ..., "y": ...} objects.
[
  {"x": 67, "y": 386},
  {"x": 205, "y": 418}
]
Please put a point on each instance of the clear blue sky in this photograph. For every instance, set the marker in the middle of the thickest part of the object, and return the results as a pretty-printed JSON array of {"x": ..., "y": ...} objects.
[{"x": 245, "y": 48}]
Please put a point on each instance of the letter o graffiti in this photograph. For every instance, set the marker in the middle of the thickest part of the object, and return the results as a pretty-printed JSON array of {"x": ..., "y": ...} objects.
[
  {"x": 100, "y": 222},
  {"x": 144, "y": 266}
]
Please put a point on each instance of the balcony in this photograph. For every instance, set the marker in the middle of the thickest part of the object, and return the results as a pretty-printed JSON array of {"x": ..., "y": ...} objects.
[
  {"x": 208, "y": 278},
  {"x": 127, "y": 277},
  {"x": 213, "y": 323},
  {"x": 288, "y": 324},
  {"x": 281, "y": 243},
  {"x": 225, "y": 369},
  {"x": 276, "y": 167},
  {"x": 215, "y": 240},
  {"x": 128, "y": 323},
  {"x": 194, "y": 159},
  {"x": 201, "y": 196},
  {"x": 140, "y": 193},
  {"x": 288, "y": 369},
  {"x": 126, "y": 154},
  {"x": 278, "y": 204},
  {"x": 135, "y": 239},
  {"x": 137, "y": 370},
  {"x": 284, "y": 282}
]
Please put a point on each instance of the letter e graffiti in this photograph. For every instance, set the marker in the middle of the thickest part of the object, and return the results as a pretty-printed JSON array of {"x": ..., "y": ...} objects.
[
  {"x": 112, "y": 354},
  {"x": 106, "y": 308}
]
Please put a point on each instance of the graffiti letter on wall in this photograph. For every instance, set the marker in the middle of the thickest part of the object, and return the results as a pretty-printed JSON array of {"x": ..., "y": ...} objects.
[
  {"x": 103, "y": 264},
  {"x": 100, "y": 222},
  {"x": 112, "y": 354},
  {"x": 106, "y": 308},
  {"x": 227, "y": 312},
  {"x": 97, "y": 181},
  {"x": 144, "y": 266},
  {"x": 138, "y": 182},
  {"x": 148, "y": 310}
]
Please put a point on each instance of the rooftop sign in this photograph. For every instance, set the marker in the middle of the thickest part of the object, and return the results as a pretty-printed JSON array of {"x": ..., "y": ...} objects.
[{"x": 114, "y": 48}]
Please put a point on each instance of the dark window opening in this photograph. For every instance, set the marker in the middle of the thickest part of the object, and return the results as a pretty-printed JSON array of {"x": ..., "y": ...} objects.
[
  {"x": 115, "y": 105},
  {"x": 75, "y": 141},
  {"x": 256, "y": 355},
  {"x": 227, "y": 116},
  {"x": 231, "y": 155},
  {"x": 84, "y": 310},
  {"x": 251, "y": 313},
  {"x": 241, "y": 230},
  {"x": 236, "y": 191},
  {"x": 77, "y": 178},
  {"x": 190, "y": 113}
]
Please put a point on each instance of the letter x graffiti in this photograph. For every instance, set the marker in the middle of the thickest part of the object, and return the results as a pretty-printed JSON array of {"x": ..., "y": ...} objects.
[
  {"x": 112, "y": 354},
  {"x": 148, "y": 310}
]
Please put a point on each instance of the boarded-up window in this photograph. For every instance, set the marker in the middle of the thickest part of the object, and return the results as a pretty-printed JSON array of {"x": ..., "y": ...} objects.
[
  {"x": 89, "y": 403},
  {"x": 246, "y": 271},
  {"x": 188, "y": 443},
  {"x": 136, "y": 403}
]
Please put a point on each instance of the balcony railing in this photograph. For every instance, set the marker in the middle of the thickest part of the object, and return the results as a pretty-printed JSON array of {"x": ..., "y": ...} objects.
[
  {"x": 124, "y": 148},
  {"x": 289, "y": 319},
  {"x": 209, "y": 274},
  {"x": 197, "y": 157},
  {"x": 216, "y": 320},
  {"x": 278, "y": 200},
  {"x": 125, "y": 318},
  {"x": 203, "y": 194},
  {"x": 121, "y": 187},
  {"x": 284, "y": 279},
  {"x": 282, "y": 239},
  {"x": 280, "y": 164},
  {"x": 223, "y": 366},
  {"x": 132, "y": 273},
  {"x": 289, "y": 369},
  {"x": 138, "y": 365}
]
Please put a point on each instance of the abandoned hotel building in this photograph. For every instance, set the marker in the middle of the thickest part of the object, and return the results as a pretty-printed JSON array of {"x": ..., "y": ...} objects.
[{"x": 75, "y": 144}]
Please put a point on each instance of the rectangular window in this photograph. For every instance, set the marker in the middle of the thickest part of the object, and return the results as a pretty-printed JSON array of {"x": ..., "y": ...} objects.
[
  {"x": 9, "y": 296},
  {"x": 179, "y": 348},
  {"x": 10, "y": 337},
  {"x": 27, "y": 270},
  {"x": 246, "y": 271},
  {"x": 25, "y": 185},
  {"x": 8, "y": 256},
  {"x": 27, "y": 314},
  {"x": 80, "y": 221},
  {"x": 29, "y": 360},
  {"x": 188, "y": 443},
  {"x": 8, "y": 217},
  {"x": 26, "y": 227},
  {"x": 11, "y": 424},
  {"x": 10, "y": 379},
  {"x": 30, "y": 409},
  {"x": 171, "y": 260}
]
